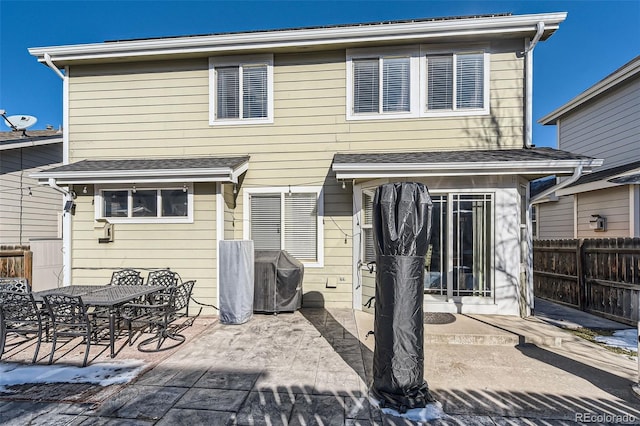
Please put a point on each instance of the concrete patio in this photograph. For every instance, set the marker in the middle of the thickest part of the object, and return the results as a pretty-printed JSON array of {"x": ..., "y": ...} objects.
[{"x": 313, "y": 367}]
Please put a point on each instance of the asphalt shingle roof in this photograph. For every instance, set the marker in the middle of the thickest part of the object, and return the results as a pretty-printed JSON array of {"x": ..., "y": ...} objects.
[
  {"x": 470, "y": 156},
  {"x": 608, "y": 173},
  {"x": 152, "y": 164}
]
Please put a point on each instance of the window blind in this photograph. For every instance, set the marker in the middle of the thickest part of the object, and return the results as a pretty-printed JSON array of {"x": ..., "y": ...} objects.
[
  {"x": 470, "y": 81},
  {"x": 227, "y": 90},
  {"x": 265, "y": 221},
  {"x": 439, "y": 82},
  {"x": 396, "y": 81},
  {"x": 366, "y": 86},
  {"x": 300, "y": 224},
  {"x": 254, "y": 87}
]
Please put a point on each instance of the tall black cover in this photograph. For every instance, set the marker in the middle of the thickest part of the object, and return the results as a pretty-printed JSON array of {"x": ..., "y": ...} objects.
[{"x": 402, "y": 229}]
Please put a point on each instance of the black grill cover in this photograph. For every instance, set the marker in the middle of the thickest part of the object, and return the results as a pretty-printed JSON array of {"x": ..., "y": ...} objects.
[
  {"x": 402, "y": 229},
  {"x": 278, "y": 282}
]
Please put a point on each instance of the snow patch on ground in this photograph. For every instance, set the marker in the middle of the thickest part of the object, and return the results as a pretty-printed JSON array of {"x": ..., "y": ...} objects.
[
  {"x": 103, "y": 374},
  {"x": 432, "y": 411},
  {"x": 625, "y": 339}
]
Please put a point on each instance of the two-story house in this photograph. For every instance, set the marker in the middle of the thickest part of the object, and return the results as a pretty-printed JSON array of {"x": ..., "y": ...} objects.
[
  {"x": 604, "y": 122},
  {"x": 282, "y": 136}
]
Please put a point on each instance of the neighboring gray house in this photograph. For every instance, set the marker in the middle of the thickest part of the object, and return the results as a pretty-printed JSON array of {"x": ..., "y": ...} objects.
[
  {"x": 601, "y": 122},
  {"x": 28, "y": 210}
]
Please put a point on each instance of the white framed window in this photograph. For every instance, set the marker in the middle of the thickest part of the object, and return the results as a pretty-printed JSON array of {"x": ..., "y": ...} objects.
[
  {"x": 455, "y": 83},
  {"x": 461, "y": 242},
  {"x": 144, "y": 204},
  {"x": 382, "y": 84},
  {"x": 534, "y": 221},
  {"x": 241, "y": 89},
  {"x": 288, "y": 219}
]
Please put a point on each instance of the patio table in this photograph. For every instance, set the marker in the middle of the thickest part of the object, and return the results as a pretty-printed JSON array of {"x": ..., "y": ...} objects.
[{"x": 104, "y": 296}]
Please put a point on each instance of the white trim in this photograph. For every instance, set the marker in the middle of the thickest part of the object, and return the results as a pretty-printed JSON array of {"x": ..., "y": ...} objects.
[
  {"x": 356, "y": 247},
  {"x": 219, "y": 174},
  {"x": 586, "y": 187},
  {"x": 99, "y": 204},
  {"x": 333, "y": 36},
  {"x": 219, "y": 234},
  {"x": 37, "y": 141},
  {"x": 319, "y": 190},
  {"x": 240, "y": 61},
  {"x": 373, "y": 170},
  {"x": 65, "y": 117},
  {"x": 575, "y": 216}
]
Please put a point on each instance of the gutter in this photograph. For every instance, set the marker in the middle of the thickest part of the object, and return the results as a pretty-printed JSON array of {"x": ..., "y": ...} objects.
[
  {"x": 528, "y": 122},
  {"x": 574, "y": 177}
]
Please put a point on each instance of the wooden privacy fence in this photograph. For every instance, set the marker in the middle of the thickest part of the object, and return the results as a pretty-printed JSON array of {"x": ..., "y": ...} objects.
[
  {"x": 600, "y": 276},
  {"x": 16, "y": 261}
]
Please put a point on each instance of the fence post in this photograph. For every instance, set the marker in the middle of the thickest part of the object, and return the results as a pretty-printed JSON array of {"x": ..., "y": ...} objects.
[
  {"x": 582, "y": 296},
  {"x": 27, "y": 265}
]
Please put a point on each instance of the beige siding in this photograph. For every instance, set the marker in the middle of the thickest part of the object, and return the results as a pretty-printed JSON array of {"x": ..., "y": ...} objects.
[
  {"x": 160, "y": 109},
  {"x": 22, "y": 215},
  {"x": 229, "y": 212},
  {"x": 187, "y": 248},
  {"x": 555, "y": 219},
  {"x": 613, "y": 204},
  {"x": 607, "y": 128}
]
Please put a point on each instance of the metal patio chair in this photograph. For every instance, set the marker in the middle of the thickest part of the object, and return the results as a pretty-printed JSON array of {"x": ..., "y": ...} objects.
[
  {"x": 20, "y": 314},
  {"x": 15, "y": 284},
  {"x": 158, "y": 316},
  {"x": 163, "y": 277},
  {"x": 126, "y": 277},
  {"x": 71, "y": 318}
]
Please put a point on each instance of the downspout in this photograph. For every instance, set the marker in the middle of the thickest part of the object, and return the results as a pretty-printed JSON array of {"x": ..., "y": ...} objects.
[
  {"x": 66, "y": 216},
  {"x": 574, "y": 177},
  {"x": 50, "y": 64},
  {"x": 528, "y": 120}
]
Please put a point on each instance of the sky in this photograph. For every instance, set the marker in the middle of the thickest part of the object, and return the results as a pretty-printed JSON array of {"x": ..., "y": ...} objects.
[{"x": 597, "y": 38}]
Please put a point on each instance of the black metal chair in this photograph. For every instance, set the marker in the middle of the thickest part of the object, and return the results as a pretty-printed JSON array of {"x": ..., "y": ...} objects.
[
  {"x": 20, "y": 314},
  {"x": 126, "y": 277},
  {"x": 71, "y": 318},
  {"x": 163, "y": 277},
  {"x": 158, "y": 315},
  {"x": 15, "y": 284}
]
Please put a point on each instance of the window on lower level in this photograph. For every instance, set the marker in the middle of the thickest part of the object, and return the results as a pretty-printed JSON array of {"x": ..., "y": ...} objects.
[
  {"x": 283, "y": 220},
  {"x": 145, "y": 204},
  {"x": 470, "y": 242}
]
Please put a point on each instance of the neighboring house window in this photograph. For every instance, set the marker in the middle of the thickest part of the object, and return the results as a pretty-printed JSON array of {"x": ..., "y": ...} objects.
[
  {"x": 534, "y": 221},
  {"x": 167, "y": 204},
  {"x": 456, "y": 83},
  {"x": 382, "y": 85},
  {"x": 470, "y": 242},
  {"x": 241, "y": 89},
  {"x": 288, "y": 219}
]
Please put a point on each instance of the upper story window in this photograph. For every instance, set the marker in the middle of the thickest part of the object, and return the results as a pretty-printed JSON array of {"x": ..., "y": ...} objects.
[
  {"x": 241, "y": 89},
  {"x": 456, "y": 82},
  {"x": 145, "y": 204},
  {"x": 407, "y": 82},
  {"x": 382, "y": 84}
]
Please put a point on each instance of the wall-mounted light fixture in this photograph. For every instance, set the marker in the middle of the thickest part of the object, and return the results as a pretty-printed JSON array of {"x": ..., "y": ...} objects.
[
  {"x": 184, "y": 187},
  {"x": 84, "y": 190},
  {"x": 598, "y": 223}
]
